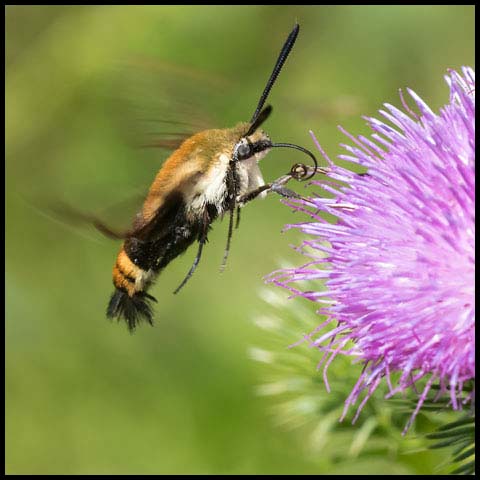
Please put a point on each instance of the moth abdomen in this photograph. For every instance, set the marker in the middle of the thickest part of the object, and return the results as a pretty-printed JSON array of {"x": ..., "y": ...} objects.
[
  {"x": 133, "y": 308},
  {"x": 127, "y": 275},
  {"x": 130, "y": 301}
]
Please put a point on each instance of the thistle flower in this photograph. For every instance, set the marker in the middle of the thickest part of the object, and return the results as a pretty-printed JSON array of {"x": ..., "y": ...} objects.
[{"x": 398, "y": 265}]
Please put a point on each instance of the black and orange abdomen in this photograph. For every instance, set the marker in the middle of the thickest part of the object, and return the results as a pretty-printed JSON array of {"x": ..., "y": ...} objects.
[
  {"x": 167, "y": 224},
  {"x": 130, "y": 300},
  {"x": 126, "y": 274},
  {"x": 141, "y": 260}
]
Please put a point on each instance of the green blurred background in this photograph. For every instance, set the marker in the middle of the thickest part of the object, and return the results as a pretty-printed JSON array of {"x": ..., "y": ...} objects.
[{"x": 85, "y": 396}]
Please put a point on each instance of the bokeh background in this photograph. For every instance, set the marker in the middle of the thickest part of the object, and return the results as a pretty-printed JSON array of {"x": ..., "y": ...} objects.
[{"x": 85, "y": 87}]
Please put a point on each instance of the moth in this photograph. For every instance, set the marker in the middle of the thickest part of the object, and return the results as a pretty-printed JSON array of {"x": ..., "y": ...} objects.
[{"x": 213, "y": 173}]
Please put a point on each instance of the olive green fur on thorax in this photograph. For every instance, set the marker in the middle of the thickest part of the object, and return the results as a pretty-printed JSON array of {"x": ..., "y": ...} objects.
[{"x": 210, "y": 143}]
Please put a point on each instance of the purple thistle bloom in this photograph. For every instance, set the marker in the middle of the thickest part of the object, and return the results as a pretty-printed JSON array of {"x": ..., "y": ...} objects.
[{"x": 398, "y": 265}]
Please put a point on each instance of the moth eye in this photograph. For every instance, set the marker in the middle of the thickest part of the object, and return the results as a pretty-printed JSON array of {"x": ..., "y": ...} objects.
[{"x": 244, "y": 151}]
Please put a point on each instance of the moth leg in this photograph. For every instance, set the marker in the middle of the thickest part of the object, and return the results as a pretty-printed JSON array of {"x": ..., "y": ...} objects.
[
  {"x": 232, "y": 193},
  {"x": 229, "y": 238},
  {"x": 278, "y": 186},
  {"x": 269, "y": 187},
  {"x": 201, "y": 243},
  {"x": 284, "y": 192},
  {"x": 237, "y": 223},
  {"x": 247, "y": 197},
  {"x": 202, "y": 240}
]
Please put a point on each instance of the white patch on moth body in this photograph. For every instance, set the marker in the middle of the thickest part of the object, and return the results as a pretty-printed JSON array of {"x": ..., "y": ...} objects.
[
  {"x": 143, "y": 279},
  {"x": 250, "y": 175},
  {"x": 211, "y": 187}
]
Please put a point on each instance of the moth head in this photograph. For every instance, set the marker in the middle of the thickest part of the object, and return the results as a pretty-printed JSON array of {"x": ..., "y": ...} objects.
[{"x": 253, "y": 141}]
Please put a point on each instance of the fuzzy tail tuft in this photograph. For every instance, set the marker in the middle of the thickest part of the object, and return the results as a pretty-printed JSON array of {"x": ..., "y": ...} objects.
[{"x": 133, "y": 309}]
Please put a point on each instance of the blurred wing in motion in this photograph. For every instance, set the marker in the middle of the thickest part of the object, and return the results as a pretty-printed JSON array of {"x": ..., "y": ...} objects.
[
  {"x": 113, "y": 221},
  {"x": 161, "y": 104},
  {"x": 156, "y": 105},
  {"x": 159, "y": 223}
]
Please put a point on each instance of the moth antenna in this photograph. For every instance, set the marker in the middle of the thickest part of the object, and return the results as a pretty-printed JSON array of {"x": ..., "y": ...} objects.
[
  {"x": 262, "y": 116},
  {"x": 287, "y": 47}
]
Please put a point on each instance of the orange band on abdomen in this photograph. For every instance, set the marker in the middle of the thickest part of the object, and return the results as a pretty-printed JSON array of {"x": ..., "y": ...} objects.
[{"x": 126, "y": 273}]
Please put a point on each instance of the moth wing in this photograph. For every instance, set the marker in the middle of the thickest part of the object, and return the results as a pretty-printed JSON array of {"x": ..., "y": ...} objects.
[
  {"x": 106, "y": 222},
  {"x": 165, "y": 218},
  {"x": 153, "y": 229},
  {"x": 160, "y": 104}
]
